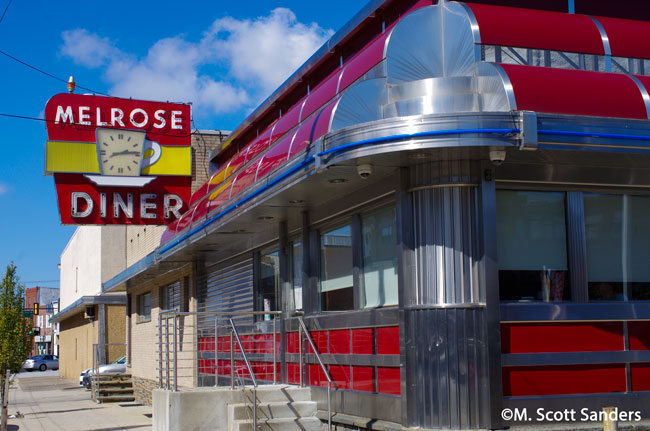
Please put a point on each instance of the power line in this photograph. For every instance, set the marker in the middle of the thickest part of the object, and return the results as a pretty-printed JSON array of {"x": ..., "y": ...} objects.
[
  {"x": 46, "y": 73},
  {"x": 5, "y": 12}
]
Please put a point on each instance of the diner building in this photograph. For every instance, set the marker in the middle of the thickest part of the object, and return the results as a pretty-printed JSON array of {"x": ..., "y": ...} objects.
[{"x": 453, "y": 197}]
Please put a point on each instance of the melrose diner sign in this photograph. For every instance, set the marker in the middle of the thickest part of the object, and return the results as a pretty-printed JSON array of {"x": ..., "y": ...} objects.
[{"x": 118, "y": 161}]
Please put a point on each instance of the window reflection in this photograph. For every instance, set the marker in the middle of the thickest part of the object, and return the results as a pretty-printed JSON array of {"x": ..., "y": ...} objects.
[
  {"x": 617, "y": 237},
  {"x": 379, "y": 258},
  {"x": 268, "y": 283},
  {"x": 531, "y": 246},
  {"x": 336, "y": 285}
]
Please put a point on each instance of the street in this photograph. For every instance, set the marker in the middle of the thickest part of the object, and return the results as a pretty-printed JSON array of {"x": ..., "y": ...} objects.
[{"x": 44, "y": 401}]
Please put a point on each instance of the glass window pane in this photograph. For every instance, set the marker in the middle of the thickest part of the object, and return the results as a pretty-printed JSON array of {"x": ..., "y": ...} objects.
[
  {"x": 531, "y": 246},
  {"x": 336, "y": 284},
  {"x": 617, "y": 238},
  {"x": 296, "y": 265},
  {"x": 379, "y": 258},
  {"x": 268, "y": 282}
]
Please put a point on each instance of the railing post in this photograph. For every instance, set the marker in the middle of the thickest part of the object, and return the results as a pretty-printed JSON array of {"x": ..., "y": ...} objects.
[
  {"x": 216, "y": 350},
  {"x": 255, "y": 408},
  {"x": 175, "y": 354},
  {"x": 167, "y": 352},
  {"x": 329, "y": 406},
  {"x": 160, "y": 355},
  {"x": 232, "y": 361},
  {"x": 275, "y": 365}
]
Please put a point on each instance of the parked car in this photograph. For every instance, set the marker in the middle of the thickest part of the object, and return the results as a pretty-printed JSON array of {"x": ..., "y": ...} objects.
[
  {"x": 117, "y": 366},
  {"x": 42, "y": 363}
]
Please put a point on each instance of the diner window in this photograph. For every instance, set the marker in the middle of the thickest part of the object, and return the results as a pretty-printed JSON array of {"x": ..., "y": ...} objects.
[
  {"x": 171, "y": 296},
  {"x": 296, "y": 276},
  {"x": 144, "y": 307},
  {"x": 531, "y": 246},
  {"x": 379, "y": 258},
  {"x": 336, "y": 281},
  {"x": 269, "y": 279},
  {"x": 617, "y": 237}
]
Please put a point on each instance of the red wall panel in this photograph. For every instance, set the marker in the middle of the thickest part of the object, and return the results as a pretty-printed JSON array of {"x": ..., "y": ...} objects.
[
  {"x": 340, "y": 375},
  {"x": 388, "y": 340},
  {"x": 316, "y": 376},
  {"x": 363, "y": 379},
  {"x": 640, "y": 377},
  {"x": 362, "y": 341},
  {"x": 561, "y": 337},
  {"x": 564, "y": 379},
  {"x": 388, "y": 381},
  {"x": 340, "y": 341},
  {"x": 320, "y": 339},
  {"x": 293, "y": 373},
  {"x": 639, "y": 333},
  {"x": 292, "y": 342}
]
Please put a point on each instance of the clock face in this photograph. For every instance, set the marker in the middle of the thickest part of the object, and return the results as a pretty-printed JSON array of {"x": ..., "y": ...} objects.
[{"x": 120, "y": 151}]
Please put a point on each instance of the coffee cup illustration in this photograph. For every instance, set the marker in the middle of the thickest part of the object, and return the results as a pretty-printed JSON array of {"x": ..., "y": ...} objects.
[{"x": 152, "y": 153}]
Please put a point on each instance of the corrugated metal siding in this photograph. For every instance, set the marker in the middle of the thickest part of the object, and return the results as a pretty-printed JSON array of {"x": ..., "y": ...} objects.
[
  {"x": 227, "y": 287},
  {"x": 448, "y": 385},
  {"x": 446, "y": 246}
]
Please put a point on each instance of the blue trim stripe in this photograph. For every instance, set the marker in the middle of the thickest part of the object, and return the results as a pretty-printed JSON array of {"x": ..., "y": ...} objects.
[{"x": 345, "y": 147}]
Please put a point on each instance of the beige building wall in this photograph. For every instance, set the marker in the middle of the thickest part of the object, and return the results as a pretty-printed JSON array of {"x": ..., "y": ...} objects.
[
  {"x": 76, "y": 338},
  {"x": 115, "y": 332}
]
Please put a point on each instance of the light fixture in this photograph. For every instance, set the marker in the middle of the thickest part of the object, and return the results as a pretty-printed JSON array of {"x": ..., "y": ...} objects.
[
  {"x": 296, "y": 201},
  {"x": 337, "y": 180},
  {"x": 265, "y": 218}
]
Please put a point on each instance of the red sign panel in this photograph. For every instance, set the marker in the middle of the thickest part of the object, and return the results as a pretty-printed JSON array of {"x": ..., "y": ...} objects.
[{"x": 118, "y": 161}]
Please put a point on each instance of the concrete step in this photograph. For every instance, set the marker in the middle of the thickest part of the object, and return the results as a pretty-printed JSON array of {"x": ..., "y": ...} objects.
[
  {"x": 114, "y": 398},
  {"x": 274, "y": 410},
  {"x": 301, "y": 424},
  {"x": 277, "y": 393},
  {"x": 103, "y": 390}
]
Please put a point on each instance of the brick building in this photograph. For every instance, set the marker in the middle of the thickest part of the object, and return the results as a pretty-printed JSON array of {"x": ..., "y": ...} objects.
[{"x": 44, "y": 341}]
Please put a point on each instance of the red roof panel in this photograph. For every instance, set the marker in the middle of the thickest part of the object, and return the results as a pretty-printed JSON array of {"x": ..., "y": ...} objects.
[
  {"x": 575, "y": 92},
  {"x": 627, "y": 38},
  {"x": 511, "y": 26}
]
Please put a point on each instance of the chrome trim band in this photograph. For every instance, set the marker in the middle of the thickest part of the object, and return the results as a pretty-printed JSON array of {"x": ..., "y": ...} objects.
[
  {"x": 476, "y": 32},
  {"x": 586, "y": 312},
  {"x": 507, "y": 85},
  {"x": 570, "y": 358},
  {"x": 644, "y": 93},
  {"x": 441, "y": 186},
  {"x": 603, "y": 35}
]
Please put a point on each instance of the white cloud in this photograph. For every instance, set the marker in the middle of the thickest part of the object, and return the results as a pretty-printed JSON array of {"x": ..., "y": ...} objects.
[
  {"x": 3, "y": 189},
  {"x": 251, "y": 56},
  {"x": 87, "y": 49},
  {"x": 265, "y": 50}
]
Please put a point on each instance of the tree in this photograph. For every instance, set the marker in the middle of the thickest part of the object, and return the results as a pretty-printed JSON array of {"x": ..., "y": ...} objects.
[{"x": 15, "y": 342}]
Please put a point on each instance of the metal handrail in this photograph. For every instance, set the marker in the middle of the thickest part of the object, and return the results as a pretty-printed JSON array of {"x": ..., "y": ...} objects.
[
  {"x": 323, "y": 367},
  {"x": 250, "y": 370}
]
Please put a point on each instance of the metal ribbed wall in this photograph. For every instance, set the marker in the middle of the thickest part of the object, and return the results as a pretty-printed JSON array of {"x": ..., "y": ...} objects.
[
  {"x": 227, "y": 287},
  {"x": 447, "y": 353},
  {"x": 445, "y": 314},
  {"x": 445, "y": 225}
]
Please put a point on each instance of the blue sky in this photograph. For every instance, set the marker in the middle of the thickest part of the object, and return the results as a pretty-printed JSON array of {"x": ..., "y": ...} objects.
[{"x": 224, "y": 57}]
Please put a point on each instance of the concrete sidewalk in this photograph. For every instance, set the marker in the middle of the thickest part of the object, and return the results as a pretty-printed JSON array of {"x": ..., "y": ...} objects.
[{"x": 52, "y": 403}]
